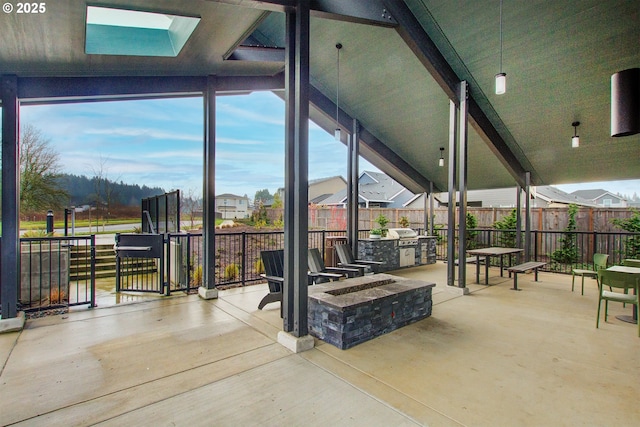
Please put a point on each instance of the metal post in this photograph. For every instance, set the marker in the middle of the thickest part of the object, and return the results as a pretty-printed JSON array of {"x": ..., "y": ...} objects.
[
  {"x": 462, "y": 186},
  {"x": 289, "y": 177},
  {"x": 49, "y": 222},
  {"x": 300, "y": 162},
  {"x": 527, "y": 220},
  {"x": 352, "y": 188},
  {"x": 209, "y": 193},
  {"x": 9, "y": 262},
  {"x": 431, "y": 211},
  {"x": 66, "y": 221},
  {"x": 518, "y": 217},
  {"x": 451, "y": 217}
]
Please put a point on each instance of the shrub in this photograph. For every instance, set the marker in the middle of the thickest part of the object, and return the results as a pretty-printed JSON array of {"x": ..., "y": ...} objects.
[
  {"x": 196, "y": 276},
  {"x": 508, "y": 223},
  {"x": 632, "y": 225},
  {"x": 404, "y": 222},
  {"x": 472, "y": 233},
  {"x": 259, "y": 266},
  {"x": 231, "y": 271},
  {"x": 568, "y": 251}
]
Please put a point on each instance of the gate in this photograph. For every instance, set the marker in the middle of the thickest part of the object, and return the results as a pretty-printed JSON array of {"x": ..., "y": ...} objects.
[{"x": 140, "y": 263}]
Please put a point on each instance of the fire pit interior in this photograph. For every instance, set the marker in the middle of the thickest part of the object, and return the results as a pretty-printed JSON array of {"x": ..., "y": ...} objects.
[{"x": 355, "y": 310}]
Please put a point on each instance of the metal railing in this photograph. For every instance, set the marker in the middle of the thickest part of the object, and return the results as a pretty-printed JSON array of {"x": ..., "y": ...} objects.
[
  {"x": 563, "y": 251},
  {"x": 56, "y": 272},
  {"x": 60, "y": 271}
]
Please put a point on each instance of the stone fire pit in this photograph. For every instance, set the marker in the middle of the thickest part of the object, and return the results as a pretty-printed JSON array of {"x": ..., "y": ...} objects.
[{"x": 355, "y": 310}]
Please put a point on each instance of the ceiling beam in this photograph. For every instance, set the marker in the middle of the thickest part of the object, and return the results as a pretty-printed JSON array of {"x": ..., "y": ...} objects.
[
  {"x": 371, "y": 12},
  {"x": 35, "y": 90},
  {"x": 258, "y": 54},
  {"x": 427, "y": 52},
  {"x": 392, "y": 164}
]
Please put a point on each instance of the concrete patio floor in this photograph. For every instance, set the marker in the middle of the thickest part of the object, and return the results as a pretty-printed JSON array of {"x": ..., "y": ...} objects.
[{"x": 496, "y": 357}]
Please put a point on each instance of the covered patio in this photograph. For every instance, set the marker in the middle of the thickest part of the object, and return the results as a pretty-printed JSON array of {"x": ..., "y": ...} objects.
[{"x": 494, "y": 357}]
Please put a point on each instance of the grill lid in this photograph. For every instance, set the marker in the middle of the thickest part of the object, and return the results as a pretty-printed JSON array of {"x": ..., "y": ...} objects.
[{"x": 402, "y": 233}]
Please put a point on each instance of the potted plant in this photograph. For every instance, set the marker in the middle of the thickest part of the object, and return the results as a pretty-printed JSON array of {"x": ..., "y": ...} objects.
[
  {"x": 375, "y": 233},
  {"x": 382, "y": 222}
]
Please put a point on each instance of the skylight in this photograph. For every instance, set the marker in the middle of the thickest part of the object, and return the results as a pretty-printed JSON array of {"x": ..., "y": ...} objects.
[{"x": 128, "y": 32}]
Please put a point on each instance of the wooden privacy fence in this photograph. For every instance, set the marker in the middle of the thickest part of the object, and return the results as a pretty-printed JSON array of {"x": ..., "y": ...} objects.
[{"x": 548, "y": 219}]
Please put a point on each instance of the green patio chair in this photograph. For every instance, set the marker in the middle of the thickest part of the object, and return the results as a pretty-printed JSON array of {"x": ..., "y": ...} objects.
[
  {"x": 617, "y": 280},
  {"x": 599, "y": 261}
]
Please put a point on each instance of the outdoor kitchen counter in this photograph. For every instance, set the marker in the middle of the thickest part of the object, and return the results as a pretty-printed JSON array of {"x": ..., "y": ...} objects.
[{"x": 393, "y": 256}]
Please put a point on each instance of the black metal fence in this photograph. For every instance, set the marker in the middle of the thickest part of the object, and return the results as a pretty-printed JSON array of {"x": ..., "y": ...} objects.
[
  {"x": 60, "y": 271},
  {"x": 56, "y": 272},
  {"x": 563, "y": 251}
]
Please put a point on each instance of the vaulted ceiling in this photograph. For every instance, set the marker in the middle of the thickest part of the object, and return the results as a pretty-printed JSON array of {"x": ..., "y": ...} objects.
[{"x": 559, "y": 57}]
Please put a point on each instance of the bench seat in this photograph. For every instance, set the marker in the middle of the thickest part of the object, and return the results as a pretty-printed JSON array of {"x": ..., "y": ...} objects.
[{"x": 523, "y": 268}]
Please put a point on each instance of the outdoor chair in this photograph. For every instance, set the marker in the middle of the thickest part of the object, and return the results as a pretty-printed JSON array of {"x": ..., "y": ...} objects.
[
  {"x": 273, "y": 262},
  {"x": 617, "y": 280},
  {"x": 346, "y": 259},
  {"x": 319, "y": 273},
  {"x": 599, "y": 261}
]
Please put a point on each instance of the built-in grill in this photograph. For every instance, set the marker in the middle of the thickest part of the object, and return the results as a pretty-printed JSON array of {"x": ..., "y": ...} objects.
[
  {"x": 405, "y": 236},
  {"x": 407, "y": 244}
]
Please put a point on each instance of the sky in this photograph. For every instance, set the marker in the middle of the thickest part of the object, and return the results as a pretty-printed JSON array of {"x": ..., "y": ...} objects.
[{"x": 159, "y": 143}]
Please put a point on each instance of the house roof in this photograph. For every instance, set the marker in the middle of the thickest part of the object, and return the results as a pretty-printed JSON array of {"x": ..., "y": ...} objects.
[
  {"x": 548, "y": 193},
  {"x": 552, "y": 194},
  {"x": 594, "y": 194},
  {"x": 231, "y": 196},
  {"x": 382, "y": 189}
]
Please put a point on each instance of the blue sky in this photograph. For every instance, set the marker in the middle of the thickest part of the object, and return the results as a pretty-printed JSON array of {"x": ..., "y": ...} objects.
[{"x": 159, "y": 143}]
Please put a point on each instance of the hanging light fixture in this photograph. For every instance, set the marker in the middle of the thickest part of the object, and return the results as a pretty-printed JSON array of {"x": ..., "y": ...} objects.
[
  {"x": 575, "y": 140},
  {"x": 337, "y": 131},
  {"x": 441, "y": 161},
  {"x": 501, "y": 78}
]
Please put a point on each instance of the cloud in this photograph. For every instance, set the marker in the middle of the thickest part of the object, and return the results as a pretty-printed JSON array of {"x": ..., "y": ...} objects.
[{"x": 141, "y": 131}]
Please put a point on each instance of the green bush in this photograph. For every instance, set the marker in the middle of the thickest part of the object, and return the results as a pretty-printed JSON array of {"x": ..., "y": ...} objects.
[
  {"x": 231, "y": 271},
  {"x": 568, "y": 251},
  {"x": 632, "y": 225},
  {"x": 507, "y": 239}
]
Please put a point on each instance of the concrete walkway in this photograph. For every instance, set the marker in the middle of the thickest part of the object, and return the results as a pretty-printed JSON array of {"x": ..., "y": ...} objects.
[{"x": 495, "y": 357}]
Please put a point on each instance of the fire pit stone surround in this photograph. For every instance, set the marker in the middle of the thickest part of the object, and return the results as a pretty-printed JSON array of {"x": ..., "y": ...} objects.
[{"x": 355, "y": 310}]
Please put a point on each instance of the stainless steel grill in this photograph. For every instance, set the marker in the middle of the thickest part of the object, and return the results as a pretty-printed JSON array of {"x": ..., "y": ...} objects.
[{"x": 405, "y": 236}]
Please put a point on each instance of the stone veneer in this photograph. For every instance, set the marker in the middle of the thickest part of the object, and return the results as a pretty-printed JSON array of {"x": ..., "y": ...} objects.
[
  {"x": 386, "y": 251},
  {"x": 352, "y": 311}
]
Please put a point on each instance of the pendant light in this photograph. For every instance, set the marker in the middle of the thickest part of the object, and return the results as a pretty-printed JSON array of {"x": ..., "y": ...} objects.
[
  {"x": 337, "y": 131},
  {"x": 501, "y": 78},
  {"x": 575, "y": 139},
  {"x": 441, "y": 161}
]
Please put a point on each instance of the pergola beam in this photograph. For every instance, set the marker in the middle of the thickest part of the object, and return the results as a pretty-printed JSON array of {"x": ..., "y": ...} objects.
[{"x": 35, "y": 90}]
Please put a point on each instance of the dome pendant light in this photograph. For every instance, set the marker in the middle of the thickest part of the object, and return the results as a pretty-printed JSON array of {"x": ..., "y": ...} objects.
[
  {"x": 441, "y": 161},
  {"x": 337, "y": 131},
  {"x": 501, "y": 77},
  {"x": 575, "y": 140}
]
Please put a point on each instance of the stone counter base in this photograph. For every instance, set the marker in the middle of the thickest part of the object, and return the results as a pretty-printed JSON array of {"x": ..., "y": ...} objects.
[{"x": 355, "y": 310}]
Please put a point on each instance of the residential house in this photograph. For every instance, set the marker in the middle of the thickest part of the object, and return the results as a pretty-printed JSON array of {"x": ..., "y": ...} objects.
[
  {"x": 375, "y": 190},
  {"x": 543, "y": 196},
  {"x": 603, "y": 198},
  {"x": 322, "y": 188},
  {"x": 230, "y": 206}
]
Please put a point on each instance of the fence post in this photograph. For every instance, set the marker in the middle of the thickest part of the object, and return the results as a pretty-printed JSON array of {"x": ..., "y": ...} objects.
[
  {"x": 595, "y": 242},
  {"x": 167, "y": 244},
  {"x": 243, "y": 263},
  {"x": 188, "y": 262},
  {"x": 324, "y": 248},
  {"x": 93, "y": 271},
  {"x": 535, "y": 245}
]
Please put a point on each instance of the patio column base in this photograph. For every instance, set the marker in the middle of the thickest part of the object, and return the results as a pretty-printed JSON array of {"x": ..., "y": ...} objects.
[
  {"x": 295, "y": 344},
  {"x": 205, "y": 293},
  {"x": 458, "y": 291},
  {"x": 13, "y": 324}
]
